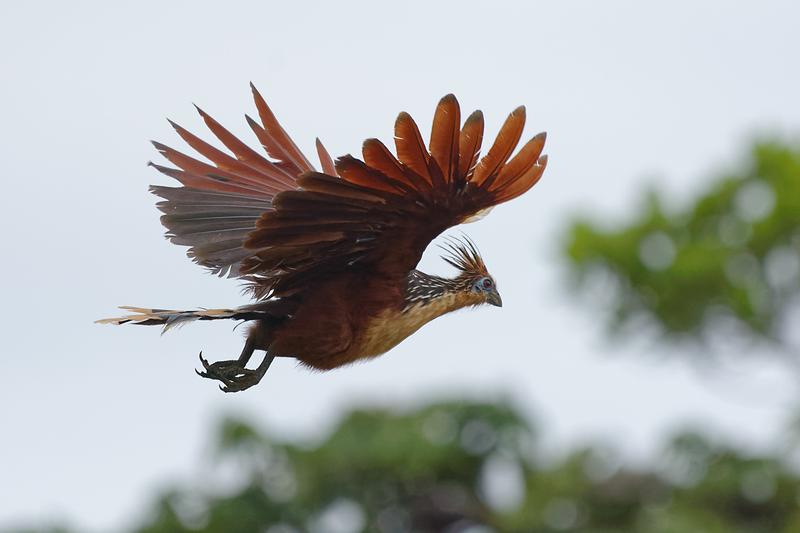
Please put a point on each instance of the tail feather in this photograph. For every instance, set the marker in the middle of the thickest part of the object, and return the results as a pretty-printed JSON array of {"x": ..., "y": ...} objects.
[{"x": 169, "y": 318}]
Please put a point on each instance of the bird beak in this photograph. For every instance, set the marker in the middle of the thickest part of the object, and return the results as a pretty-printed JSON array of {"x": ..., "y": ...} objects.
[{"x": 494, "y": 299}]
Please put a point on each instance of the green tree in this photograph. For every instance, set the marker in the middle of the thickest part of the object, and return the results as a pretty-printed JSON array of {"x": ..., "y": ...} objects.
[
  {"x": 731, "y": 255},
  {"x": 456, "y": 466}
]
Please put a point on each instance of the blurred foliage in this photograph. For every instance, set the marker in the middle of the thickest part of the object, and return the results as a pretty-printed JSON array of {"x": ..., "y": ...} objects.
[
  {"x": 456, "y": 467},
  {"x": 469, "y": 468},
  {"x": 734, "y": 253}
]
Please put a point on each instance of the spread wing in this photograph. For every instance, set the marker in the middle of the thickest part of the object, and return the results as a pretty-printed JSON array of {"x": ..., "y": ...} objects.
[
  {"x": 279, "y": 223},
  {"x": 222, "y": 198},
  {"x": 382, "y": 212}
]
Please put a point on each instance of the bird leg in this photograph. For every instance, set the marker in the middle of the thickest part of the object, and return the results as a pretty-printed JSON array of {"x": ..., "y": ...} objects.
[{"x": 233, "y": 374}]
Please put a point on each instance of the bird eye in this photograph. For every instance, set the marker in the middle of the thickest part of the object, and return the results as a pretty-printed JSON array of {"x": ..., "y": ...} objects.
[{"x": 487, "y": 283}]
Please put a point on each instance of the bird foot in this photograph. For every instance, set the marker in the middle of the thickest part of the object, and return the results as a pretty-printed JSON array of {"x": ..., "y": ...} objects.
[{"x": 232, "y": 374}]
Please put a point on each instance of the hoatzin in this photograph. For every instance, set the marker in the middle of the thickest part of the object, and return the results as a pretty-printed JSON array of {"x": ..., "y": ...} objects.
[{"x": 330, "y": 256}]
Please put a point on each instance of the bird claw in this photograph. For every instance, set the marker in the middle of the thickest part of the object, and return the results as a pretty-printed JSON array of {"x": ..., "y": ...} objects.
[{"x": 233, "y": 377}]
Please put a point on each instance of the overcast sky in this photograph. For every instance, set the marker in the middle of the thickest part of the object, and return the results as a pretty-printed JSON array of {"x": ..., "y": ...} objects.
[{"x": 94, "y": 418}]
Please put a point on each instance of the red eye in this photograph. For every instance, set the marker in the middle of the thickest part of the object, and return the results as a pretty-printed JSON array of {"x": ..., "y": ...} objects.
[{"x": 487, "y": 283}]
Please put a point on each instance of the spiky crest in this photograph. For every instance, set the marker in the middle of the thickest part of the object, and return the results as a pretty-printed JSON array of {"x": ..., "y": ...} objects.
[{"x": 462, "y": 254}]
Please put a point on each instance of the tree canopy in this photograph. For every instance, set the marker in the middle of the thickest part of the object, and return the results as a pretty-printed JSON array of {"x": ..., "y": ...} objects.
[
  {"x": 474, "y": 467},
  {"x": 731, "y": 254}
]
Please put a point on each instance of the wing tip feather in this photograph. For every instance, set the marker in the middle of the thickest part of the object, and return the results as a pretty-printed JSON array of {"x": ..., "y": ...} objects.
[
  {"x": 475, "y": 116},
  {"x": 402, "y": 116},
  {"x": 449, "y": 98}
]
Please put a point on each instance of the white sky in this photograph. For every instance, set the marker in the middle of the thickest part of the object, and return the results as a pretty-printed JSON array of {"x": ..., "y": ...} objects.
[{"x": 95, "y": 418}]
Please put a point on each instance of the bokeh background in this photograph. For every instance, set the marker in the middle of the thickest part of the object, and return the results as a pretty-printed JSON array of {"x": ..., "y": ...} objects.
[{"x": 641, "y": 376}]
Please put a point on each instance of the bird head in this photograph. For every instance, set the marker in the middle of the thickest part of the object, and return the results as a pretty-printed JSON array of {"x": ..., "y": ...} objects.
[
  {"x": 487, "y": 289},
  {"x": 473, "y": 276}
]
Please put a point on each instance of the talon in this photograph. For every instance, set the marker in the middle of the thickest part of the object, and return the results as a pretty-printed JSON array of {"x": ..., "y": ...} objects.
[{"x": 232, "y": 374}]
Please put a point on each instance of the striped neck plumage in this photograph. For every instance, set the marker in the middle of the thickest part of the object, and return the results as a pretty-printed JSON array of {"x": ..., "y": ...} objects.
[{"x": 424, "y": 289}]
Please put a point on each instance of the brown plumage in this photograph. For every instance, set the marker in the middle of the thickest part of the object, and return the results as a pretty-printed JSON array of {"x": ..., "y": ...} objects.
[{"x": 331, "y": 256}]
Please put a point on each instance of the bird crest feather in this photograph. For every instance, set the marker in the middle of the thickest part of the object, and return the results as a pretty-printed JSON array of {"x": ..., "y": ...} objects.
[{"x": 461, "y": 253}]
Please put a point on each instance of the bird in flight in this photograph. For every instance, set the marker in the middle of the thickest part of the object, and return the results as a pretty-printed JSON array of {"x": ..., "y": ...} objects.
[{"x": 330, "y": 257}]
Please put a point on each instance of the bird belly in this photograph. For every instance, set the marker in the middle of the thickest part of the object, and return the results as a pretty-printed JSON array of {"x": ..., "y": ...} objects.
[{"x": 383, "y": 331}]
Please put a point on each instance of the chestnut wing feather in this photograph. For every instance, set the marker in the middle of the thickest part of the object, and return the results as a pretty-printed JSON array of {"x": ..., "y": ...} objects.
[
  {"x": 383, "y": 212},
  {"x": 281, "y": 224},
  {"x": 220, "y": 201}
]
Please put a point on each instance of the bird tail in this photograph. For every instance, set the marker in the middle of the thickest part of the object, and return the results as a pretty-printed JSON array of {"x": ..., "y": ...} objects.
[{"x": 170, "y": 318}]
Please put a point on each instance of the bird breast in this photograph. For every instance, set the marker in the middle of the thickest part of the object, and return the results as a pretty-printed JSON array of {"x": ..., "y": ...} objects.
[{"x": 388, "y": 329}]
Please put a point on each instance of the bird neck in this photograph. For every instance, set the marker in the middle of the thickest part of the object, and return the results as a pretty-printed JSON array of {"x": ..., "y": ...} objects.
[{"x": 437, "y": 294}]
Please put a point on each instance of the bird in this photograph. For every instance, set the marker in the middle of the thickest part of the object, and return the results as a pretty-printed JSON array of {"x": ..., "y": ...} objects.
[{"x": 330, "y": 256}]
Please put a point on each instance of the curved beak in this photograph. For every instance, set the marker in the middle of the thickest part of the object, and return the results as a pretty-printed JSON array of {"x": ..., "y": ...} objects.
[{"x": 494, "y": 299}]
